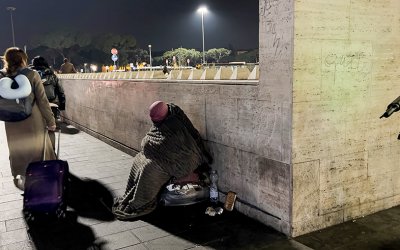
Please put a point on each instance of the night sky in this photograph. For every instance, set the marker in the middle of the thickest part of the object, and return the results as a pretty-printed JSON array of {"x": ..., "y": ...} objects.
[{"x": 165, "y": 24}]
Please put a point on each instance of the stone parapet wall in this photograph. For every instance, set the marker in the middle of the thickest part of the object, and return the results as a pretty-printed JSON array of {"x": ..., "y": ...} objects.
[
  {"x": 234, "y": 72},
  {"x": 238, "y": 128}
]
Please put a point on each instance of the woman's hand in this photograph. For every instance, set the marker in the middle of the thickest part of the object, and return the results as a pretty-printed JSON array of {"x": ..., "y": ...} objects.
[{"x": 52, "y": 128}]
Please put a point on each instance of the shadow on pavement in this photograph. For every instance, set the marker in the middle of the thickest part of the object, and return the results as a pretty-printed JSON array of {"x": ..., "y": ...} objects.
[
  {"x": 62, "y": 234},
  {"x": 87, "y": 198},
  {"x": 230, "y": 230}
]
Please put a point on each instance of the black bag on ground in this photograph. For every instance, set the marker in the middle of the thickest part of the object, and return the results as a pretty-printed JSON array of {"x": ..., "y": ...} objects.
[
  {"x": 16, "y": 101},
  {"x": 45, "y": 188}
]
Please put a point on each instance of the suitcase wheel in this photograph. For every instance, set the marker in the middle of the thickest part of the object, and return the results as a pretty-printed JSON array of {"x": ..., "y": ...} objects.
[
  {"x": 60, "y": 213},
  {"x": 28, "y": 216}
]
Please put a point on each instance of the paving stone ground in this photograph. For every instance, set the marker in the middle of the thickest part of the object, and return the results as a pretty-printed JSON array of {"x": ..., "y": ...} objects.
[{"x": 101, "y": 169}]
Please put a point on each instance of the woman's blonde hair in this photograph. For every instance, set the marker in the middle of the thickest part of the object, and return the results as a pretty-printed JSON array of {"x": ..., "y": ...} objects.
[{"x": 14, "y": 58}]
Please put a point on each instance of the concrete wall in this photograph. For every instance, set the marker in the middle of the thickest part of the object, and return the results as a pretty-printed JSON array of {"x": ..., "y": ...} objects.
[
  {"x": 346, "y": 71},
  {"x": 240, "y": 131},
  {"x": 249, "y": 71}
]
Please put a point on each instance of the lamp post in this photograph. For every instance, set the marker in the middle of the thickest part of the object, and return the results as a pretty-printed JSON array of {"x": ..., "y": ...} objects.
[
  {"x": 11, "y": 9},
  {"x": 150, "y": 56},
  {"x": 203, "y": 10}
]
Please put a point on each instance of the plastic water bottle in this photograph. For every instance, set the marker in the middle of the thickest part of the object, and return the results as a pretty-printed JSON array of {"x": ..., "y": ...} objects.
[{"x": 214, "y": 187}]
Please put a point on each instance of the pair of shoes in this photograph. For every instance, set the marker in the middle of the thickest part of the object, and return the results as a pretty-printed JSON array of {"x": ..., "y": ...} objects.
[
  {"x": 126, "y": 212},
  {"x": 19, "y": 182}
]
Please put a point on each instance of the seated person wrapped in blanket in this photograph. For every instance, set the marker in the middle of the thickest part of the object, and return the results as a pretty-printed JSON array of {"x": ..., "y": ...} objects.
[{"x": 172, "y": 148}]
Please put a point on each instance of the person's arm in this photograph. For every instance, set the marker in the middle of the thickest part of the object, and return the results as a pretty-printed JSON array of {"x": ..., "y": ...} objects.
[{"x": 61, "y": 71}]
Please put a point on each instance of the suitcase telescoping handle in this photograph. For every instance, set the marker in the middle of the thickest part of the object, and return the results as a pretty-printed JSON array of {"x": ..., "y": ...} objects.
[
  {"x": 58, "y": 143},
  {"x": 46, "y": 133}
]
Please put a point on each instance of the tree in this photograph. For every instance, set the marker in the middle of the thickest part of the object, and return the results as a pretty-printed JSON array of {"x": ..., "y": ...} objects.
[
  {"x": 139, "y": 55},
  {"x": 93, "y": 55},
  {"x": 215, "y": 55},
  {"x": 123, "y": 43},
  {"x": 84, "y": 48},
  {"x": 157, "y": 60},
  {"x": 182, "y": 54},
  {"x": 52, "y": 56},
  {"x": 62, "y": 40},
  {"x": 251, "y": 56}
]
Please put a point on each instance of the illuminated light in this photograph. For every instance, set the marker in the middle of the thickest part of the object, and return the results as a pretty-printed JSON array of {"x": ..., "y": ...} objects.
[{"x": 93, "y": 67}]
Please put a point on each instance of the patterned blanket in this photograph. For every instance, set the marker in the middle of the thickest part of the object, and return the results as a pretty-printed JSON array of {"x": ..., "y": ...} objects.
[{"x": 172, "y": 148}]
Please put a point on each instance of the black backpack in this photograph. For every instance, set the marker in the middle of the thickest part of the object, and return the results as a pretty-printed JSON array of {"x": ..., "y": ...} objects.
[
  {"x": 14, "y": 110},
  {"x": 49, "y": 83}
]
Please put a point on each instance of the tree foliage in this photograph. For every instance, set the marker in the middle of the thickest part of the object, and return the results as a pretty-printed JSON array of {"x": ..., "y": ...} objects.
[
  {"x": 251, "y": 56},
  {"x": 182, "y": 54},
  {"x": 216, "y": 54},
  {"x": 139, "y": 55},
  {"x": 105, "y": 42},
  {"x": 68, "y": 43},
  {"x": 84, "y": 48},
  {"x": 123, "y": 43},
  {"x": 62, "y": 40}
]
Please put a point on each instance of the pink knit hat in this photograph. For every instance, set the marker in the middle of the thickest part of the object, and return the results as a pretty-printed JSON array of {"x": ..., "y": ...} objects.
[{"x": 158, "y": 111}]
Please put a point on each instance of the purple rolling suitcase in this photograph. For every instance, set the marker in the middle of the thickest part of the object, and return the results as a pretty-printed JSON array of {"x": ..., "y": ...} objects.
[{"x": 45, "y": 187}]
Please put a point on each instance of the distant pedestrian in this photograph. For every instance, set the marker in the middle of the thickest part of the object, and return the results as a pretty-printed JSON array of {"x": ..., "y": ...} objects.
[
  {"x": 165, "y": 70},
  {"x": 67, "y": 67},
  {"x": 25, "y": 138}
]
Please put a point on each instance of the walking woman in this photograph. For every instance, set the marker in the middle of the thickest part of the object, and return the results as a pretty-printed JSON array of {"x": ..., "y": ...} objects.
[{"x": 25, "y": 138}]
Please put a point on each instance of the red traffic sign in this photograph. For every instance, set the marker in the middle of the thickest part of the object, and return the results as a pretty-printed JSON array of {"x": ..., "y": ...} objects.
[{"x": 114, "y": 51}]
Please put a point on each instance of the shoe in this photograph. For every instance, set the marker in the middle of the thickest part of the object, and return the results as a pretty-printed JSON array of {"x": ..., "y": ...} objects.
[
  {"x": 19, "y": 182},
  {"x": 126, "y": 212}
]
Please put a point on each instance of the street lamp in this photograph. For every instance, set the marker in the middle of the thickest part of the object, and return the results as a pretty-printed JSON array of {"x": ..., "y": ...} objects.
[
  {"x": 11, "y": 9},
  {"x": 150, "y": 55},
  {"x": 203, "y": 10}
]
